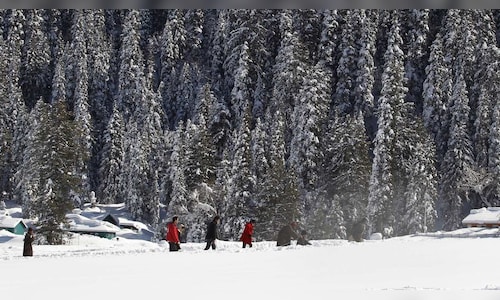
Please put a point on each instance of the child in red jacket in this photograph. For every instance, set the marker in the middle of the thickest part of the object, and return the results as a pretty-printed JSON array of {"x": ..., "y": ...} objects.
[{"x": 246, "y": 236}]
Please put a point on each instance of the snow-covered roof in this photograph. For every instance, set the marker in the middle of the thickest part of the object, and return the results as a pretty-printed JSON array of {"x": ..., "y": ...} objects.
[
  {"x": 485, "y": 215},
  {"x": 127, "y": 222},
  {"x": 83, "y": 224},
  {"x": 9, "y": 222}
]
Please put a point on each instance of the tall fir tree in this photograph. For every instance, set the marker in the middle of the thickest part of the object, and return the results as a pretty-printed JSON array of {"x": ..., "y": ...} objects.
[
  {"x": 131, "y": 80},
  {"x": 365, "y": 65},
  {"x": 309, "y": 119},
  {"x": 35, "y": 73},
  {"x": 436, "y": 93},
  {"x": 418, "y": 212},
  {"x": 330, "y": 38},
  {"x": 342, "y": 192},
  {"x": 79, "y": 59},
  {"x": 458, "y": 160},
  {"x": 57, "y": 156},
  {"x": 239, "y": 202},
  {"x": 112, "y": 154},
  {"x": 277, "y": 190},
  {"x": 384, "y": 182},
  {"x": 347, "y": 66},
  {"x": 417, "y": 55},
  {"x": 288, "y": 73},
  {"x": 17, "y": 107}
]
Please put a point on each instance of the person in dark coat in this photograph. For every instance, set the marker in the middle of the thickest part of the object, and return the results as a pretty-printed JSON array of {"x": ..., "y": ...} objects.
[
  {"x": 246, "y": 236},
  {"x": 173, "y": 235},
  {"x": 29, "y": 237},
  {"x": 286, "y": 234},
  {"x": 211, "y": 235},
  {"x": 302, "y": 240}
]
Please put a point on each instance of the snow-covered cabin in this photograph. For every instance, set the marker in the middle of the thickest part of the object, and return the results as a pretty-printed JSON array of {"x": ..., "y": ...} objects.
[
  {"x": 81, "y": 224},
  {"x": 483, "y": 217},
  {"x": 122, "y": 222},
  {"x": 14, "y": 225}
]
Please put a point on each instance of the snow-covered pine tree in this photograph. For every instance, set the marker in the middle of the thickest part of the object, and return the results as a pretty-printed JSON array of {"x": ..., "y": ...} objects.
[
  {"x": 343, "y": 99},
  {"x": 5, "y": 122},
  {"x": 330, "y": 38},
  {"x": 494, "y": 138},
  {"x": 288, "y": 72},
  {"x": 79, "y": 60},
  {"x": 58, "y": 153},
  {"x": 174, "y": 41},
  {"x": 112, "y": 154},
  {"x": 187, "y": 88},
  {"x": 242, "y": 90},
  {"x": 458, "y": 160},
  {"x": 199, "y": 174},
  {"x": 216, "y": 53},
  {"x": 308, "y": 24},
  {"x": 178, "y": 204},
  {"x": 238, "y": 34},
  {"x": 193, "y": 22},
  {"x": 417, "y": 22},
  {"x": 436, "y": 94},
  {"x": 342, "y": 194},
  {"x": 35, "y": 72},
  {"x": 99, "y": 51},
  {"x": 199, "y": 164},
  {"x": 384, "y": 182},
  {"x": 483, "y": 84},
  {"x": 260, "y": 164},
  {"x": 276, "y": 195},
  {"x": 27, "y": 177},
  {"x": 418, "y": 212},
  {"x": 309, "y": 118},
  {"x": 363, "y": 90},
  {"x": 219, "y": 124},
  {"x": 131, "y": 78},
  {"x": 100, "y": 96},
  {"x": 17, "y": 108},
  {"x": 149, "y": 122},
  {"x": 239, "y": 204}
]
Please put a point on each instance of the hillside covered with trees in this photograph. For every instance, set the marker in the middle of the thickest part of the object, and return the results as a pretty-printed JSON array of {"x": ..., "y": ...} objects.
[{"x": 322, "y": 116}]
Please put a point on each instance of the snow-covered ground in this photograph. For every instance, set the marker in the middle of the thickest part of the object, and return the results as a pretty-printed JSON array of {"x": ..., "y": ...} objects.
[{"x": 444, "y": 266}]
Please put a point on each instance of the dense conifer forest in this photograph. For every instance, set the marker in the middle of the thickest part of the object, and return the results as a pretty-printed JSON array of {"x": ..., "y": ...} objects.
[{"x": 321, "y": 116}]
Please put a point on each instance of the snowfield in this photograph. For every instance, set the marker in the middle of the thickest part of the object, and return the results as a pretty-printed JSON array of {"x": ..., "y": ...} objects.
[
  {"x": 452, "y": 265},
  {"x": 442, "y": 265}
]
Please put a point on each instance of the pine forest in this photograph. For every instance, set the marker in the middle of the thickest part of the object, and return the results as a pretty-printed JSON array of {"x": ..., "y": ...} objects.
[{"x": 326, "y": 117}]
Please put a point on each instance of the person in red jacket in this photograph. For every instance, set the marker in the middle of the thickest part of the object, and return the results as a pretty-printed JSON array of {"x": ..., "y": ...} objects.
[
  {"x": 246, "y": 236},
  {"x": 173, "y": 235}
]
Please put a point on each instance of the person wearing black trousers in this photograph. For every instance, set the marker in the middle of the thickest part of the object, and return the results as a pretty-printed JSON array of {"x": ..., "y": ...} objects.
[{"x": 212, "y": 233}]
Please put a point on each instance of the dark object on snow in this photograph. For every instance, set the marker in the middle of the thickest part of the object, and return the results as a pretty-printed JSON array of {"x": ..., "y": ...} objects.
[
  {"x": 358, "y": 230},
  {"x": 211, "y": 235},
  {"x": 286, "y": 234},
  {"x": 29, "y": 237},
  {"x": 302, "y": 240}
]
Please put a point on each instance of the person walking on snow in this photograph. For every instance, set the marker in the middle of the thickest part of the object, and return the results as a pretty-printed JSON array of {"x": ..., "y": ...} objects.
[
  {"x": 211, "y": 235},
  {"x": 246, "y": 236},
  {"x": 173, "y": 235}
]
